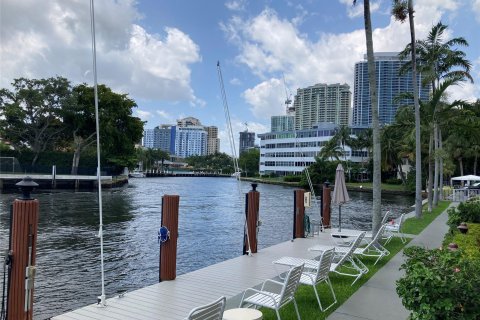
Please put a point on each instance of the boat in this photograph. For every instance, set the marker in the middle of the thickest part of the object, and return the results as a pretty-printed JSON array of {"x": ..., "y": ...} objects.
[
  {"x": 236, "y": 174},
  {"x": 137, "y": 174}
]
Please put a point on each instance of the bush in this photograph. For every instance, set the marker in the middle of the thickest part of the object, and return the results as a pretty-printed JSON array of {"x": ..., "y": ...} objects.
[
  {"x": 393, "y": 181},
  {"x": 469, "y": 243},
  {"x": 440, "y": 284},
  {"x": 464, "y": 212},
  {"x": 292, "y": 178}
]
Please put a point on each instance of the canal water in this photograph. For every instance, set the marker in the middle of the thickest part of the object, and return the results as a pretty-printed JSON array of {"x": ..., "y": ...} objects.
[{"x": 211, "y": 221}]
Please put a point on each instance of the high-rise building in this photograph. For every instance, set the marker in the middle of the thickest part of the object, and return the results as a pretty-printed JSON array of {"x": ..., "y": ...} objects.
[
  {"x": 282, "y": 123},
  {"x": 190, "y": 141},
  {"x": 322, "y": 103},
  {"x": 188, "y": 121},
  {"x": 213, "y": 142},
  {"x": 247, "y": 141},
  {"x": 157, "y": 138},
  {"x": 389, "y": 85}
]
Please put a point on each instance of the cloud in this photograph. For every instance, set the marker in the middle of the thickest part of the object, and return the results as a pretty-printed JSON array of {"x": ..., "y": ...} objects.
[
  {"x": 270, "y": 46},
  {"x": 166, "y": 116},
  {"x": 143, "y": 115},
  {"x": 44, "y": 39},
  {"x": 355, "y": 11},
  {"x": 266, "y": 98},
  {"x": 235, "y": 81},
  {"x": 236, "y": 5},
  {"x": 476, "y": 8}
]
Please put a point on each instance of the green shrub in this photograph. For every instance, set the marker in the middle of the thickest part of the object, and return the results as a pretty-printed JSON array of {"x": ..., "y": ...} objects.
[
  {"x": 297, "y": 178},
  {"x": 440, "y": 284},
  {"x": 464, "y": 212},
  {"x": 393, "y": 181},
  {"x": 469, "y": 243}
]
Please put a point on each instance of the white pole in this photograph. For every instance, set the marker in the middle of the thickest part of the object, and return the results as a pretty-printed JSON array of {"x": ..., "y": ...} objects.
[{"x": 101, "y": 298}]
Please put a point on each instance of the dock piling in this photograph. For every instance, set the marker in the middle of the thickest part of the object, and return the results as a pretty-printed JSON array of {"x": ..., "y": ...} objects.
[
  {"x": 298, "y": 214},
  {"x": 252, "y": 206},
  {"x": 168, "y": 244}
]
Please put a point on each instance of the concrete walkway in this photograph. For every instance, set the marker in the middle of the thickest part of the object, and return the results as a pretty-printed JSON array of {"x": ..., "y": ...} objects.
[{"x": 377, "y": 299}]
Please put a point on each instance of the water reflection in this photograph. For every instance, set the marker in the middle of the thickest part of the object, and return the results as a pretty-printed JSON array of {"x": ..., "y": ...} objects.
[{"x": 211, "y": 221}]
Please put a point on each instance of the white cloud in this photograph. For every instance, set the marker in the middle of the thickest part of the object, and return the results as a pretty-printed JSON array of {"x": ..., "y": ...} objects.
[
  {"x": 143, "y": 115},
  {"x": 235, "y": 81},
  {"x": 44, "y": 39},
  {"x": 266, "y": 98},
  {"x": 354, "y": 11},
  {"x": 269, "y": 46},
  {"x": 236, "y": 5},
  {"x": 476, "y": 8}
]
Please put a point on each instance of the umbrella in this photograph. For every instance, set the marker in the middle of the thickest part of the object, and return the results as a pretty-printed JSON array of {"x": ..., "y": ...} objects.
[{"x": 340, "y": 194}]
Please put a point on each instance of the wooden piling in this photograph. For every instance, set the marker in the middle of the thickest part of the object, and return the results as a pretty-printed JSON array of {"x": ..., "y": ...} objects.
[
  {"x": 168, "y": 249},
  {"x": 252, "y": 207},
  {"x": 298, "y": 214},
  {"x": 23, "y": 246},
  {"x": 326, "y": 208}
]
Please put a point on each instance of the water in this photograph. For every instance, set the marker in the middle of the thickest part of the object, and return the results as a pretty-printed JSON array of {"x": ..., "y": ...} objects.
[{"x": 211, "y": 223}]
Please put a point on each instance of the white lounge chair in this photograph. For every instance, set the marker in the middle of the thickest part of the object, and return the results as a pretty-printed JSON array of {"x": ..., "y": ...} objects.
[
  {"x": 320, "y": 274},
  {"x": 346, "y": 234},
  {"x": 344, "y": 256},
  {"x": 272, "y": 300},
  {"x": 395, "y": 228},
  {"x": 211, "y": 311},
  {"x": 373, "y": 249}
]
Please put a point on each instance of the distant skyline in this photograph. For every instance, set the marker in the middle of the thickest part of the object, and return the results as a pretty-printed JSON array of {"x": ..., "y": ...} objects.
[{"x": 164, "y": 53}]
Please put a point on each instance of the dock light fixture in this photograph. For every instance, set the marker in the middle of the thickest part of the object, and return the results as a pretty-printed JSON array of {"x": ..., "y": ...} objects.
[{"x": 26, "y": 186}]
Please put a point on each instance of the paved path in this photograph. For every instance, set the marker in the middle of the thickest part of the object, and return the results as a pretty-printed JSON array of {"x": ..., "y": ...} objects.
[{"x": 377, "y": 299}]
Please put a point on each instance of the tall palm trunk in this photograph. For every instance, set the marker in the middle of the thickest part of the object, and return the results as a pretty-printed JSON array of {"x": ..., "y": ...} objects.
[
  {"x": 377, "y": 183},
  {"x": 440, "y": 144},
  {"x": 418, "y": 142},
  {"x": 437, "y": 164},
  {"x": 430, "y": 173}
]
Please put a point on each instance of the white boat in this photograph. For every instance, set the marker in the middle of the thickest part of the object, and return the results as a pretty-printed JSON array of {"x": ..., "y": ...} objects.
[
  {"x": 237, "y": 174},
  {"x": 136, "y": 174}
]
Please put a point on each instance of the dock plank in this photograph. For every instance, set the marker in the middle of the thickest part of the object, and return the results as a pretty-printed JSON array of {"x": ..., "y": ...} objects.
[{"x": 176, "y": 298}]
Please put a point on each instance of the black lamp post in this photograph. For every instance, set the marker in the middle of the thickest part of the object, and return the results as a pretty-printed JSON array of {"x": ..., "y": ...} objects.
[{"x": 26, "y": 186}]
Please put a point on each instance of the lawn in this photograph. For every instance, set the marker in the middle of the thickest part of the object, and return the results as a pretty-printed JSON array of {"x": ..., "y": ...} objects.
[
  {"x": 369, "y": 185},
  {"x": 307, "y": 302},
  {"x": 416, "y": 225}
]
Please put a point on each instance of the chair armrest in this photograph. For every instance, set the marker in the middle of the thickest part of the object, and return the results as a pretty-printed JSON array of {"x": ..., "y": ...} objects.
[
  {"x": 271, "y": 281},
  {"x": 264, "y": 293}
]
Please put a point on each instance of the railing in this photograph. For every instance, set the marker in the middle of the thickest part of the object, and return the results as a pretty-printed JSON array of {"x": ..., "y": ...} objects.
[{"x": 461, "y": 194}]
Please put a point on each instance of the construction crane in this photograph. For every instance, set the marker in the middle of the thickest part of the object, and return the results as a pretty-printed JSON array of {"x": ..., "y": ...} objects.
[
  {"x": 246, "y": 126},
  {"x": 288, "y": 98}
]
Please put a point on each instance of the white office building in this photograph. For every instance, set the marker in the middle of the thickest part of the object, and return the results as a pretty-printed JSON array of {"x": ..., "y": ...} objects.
[
  {"x": 190, "y": 141},
  {"x": 290, "y": 152}
]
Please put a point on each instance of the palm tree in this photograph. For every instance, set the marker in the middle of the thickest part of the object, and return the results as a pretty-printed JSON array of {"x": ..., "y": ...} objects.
[
  {"x": 438, "y": 62},
  {"x": 400, "y": 9},
  {"x": 377, "y": 174},
  {"x": 331, "y": 150}
]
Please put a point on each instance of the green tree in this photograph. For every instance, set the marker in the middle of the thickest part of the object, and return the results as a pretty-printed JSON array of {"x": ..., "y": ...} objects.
[
  {"x": 30, "y": 114},
  {"x": 249, "y": 162},
  {"x": 331, "y": 150}
]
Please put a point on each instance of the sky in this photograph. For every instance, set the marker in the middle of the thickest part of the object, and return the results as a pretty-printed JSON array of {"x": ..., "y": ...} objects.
[{"x": 164, "y": 54}]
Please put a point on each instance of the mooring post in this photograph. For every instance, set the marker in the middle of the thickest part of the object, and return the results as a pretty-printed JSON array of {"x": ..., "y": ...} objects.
[
  {"x": 167, "y": 236},
  {"x": 252, "y": 206},
  {"x": 326, "y": 204},
  {"x": 298, "y": 214},
  {"x": 22, "y": 250}
]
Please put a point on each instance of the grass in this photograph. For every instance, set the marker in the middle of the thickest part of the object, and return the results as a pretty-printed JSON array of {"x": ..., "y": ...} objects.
[
  {"x": 305, "y": 297},
  {"x": 416, "y": 225},
  {"x": 369, "y": 185}
]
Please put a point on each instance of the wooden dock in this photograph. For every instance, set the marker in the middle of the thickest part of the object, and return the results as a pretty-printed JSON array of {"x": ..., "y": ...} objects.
[{"x": 174, "y": 299}]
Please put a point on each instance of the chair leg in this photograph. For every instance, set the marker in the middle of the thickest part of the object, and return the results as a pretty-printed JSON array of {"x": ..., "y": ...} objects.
[
  {"x": 296, "y": 309},
  {"x": 318, "y": 298},
  {"x": 327, "y": 280},
  {"x": 278, "y": 314}
]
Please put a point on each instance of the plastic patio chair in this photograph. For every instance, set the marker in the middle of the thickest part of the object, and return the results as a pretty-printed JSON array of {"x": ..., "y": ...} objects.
[
  {"x": 395, "y": 228},
  {"x": 272, "y": 300},
  {"x": 211, "y": 311}
]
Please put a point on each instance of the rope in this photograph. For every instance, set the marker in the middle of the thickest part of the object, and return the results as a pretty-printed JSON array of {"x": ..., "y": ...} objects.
[
  {"x": 232, "y": 147},
  {"x": 101, "y": 298}
]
